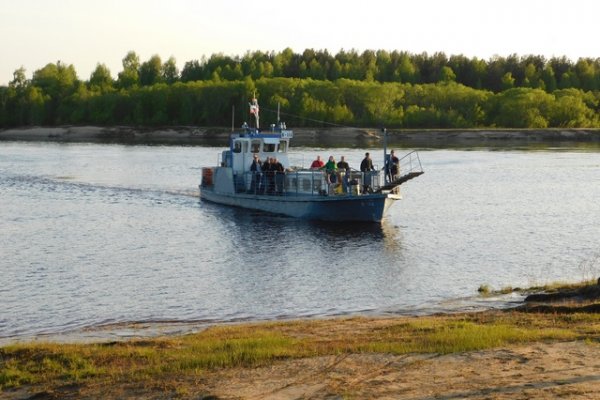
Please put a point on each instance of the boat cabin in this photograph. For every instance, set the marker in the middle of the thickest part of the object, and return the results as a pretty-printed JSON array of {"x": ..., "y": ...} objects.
[{"x": 250, "y": 141}]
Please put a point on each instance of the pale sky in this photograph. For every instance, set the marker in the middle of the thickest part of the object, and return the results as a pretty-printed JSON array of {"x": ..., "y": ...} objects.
[{"x": 34, "y": 33}]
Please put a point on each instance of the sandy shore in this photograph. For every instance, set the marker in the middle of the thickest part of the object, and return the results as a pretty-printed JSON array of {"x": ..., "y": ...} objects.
[
  {"x": 540, "y": 370},
  {"x": 315, "y": 137}
]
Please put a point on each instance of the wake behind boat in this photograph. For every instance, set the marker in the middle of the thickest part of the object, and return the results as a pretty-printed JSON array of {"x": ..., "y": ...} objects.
[{"x": 255, "y": 173}]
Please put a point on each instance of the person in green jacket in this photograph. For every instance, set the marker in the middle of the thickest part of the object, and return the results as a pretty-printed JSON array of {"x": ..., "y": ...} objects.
[{"x": 331, "y": 169}]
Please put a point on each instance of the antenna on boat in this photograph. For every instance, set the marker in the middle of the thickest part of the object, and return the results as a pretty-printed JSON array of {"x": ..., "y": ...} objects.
[
  {"x": 232, "y": 118},
  {"x": 385, "y": 157},
  {"x": 278, "y": 119}
]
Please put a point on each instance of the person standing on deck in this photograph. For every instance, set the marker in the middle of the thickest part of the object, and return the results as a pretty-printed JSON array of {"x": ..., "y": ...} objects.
[
  {"x": 392, "y": 167},
  {"x": 342, "y": 164},
  {"x": 344, "y": 172},
  {"x": 279, "y": 176},
  {"x": 266, "y": 172},
  {"x": 331, "y": 169},
  {"x": 395, "y": 166},
  {"x": 366, "y": 166},
  {"x": 256, "y": 170}
]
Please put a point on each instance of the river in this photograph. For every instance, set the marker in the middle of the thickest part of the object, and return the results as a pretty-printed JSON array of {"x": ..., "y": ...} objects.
[{"x": 95, "y": 236}]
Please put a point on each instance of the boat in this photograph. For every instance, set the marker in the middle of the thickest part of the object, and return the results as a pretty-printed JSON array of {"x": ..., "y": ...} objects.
[{"x": 306, "y": 193}]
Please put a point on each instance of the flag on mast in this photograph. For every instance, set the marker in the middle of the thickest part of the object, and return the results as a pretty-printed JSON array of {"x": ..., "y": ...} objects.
[
  {"x": 254, "y": 106},
  {"x": 254, "y": 110}
]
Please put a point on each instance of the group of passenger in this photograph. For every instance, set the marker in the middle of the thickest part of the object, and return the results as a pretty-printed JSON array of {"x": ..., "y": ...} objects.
[
  {"x": 337, "y": 173},
  {"x": 267, "y": 176},
  {"x": 330, "y": 165},
  {"x": 391, "y": 168}
]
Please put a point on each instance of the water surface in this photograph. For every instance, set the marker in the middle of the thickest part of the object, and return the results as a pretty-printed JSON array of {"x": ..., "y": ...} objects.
[{"x": 95, "y": 235}]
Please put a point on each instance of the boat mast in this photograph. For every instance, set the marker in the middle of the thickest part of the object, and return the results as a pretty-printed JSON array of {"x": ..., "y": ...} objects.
[
  {"x": 232, "y": 118},
  {"x": 254, "y": 110},
  {"x": 278, "y": 119},
  {"x": 385, "y": 160}
]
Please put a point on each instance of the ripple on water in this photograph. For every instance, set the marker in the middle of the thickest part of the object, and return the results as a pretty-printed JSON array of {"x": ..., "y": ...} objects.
[{"x": 96, "y": 235}]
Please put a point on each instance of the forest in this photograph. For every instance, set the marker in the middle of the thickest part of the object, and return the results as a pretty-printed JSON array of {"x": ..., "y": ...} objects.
[{"x": 314, "y": 88}]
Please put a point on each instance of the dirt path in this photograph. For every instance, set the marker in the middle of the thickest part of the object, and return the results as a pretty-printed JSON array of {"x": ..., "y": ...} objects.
[{"x": 542, "y": 371}]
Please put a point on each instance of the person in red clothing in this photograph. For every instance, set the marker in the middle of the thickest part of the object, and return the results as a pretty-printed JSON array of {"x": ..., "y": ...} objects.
[{"x": 318, "y": 163}]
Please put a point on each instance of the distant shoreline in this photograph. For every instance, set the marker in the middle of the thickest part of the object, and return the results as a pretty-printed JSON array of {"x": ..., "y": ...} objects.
[{"x": 310, "y": 137}]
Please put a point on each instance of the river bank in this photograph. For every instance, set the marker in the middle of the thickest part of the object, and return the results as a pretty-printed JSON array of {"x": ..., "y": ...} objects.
[
  {"x": 525, "y": 352},
  {"x": 310, "y": 137},
  {"x": 488, "y": 355}
]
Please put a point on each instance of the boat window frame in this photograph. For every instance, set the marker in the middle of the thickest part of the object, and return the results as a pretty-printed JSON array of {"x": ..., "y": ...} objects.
[
  {"x": 269, "y": 147},
  {"x": 237, "y": 146},
  {"x": 282, "y": 148}
]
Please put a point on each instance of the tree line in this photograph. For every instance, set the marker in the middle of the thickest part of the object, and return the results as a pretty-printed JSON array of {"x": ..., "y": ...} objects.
[{"x": 396, "y": 89}]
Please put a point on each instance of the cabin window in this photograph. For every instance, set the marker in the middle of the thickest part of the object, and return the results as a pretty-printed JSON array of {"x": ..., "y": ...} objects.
[
  {"x": 237, "y": 146},
  {"x": 255, "y": 146},
  {"x": 245, "y": 146},
  {"x": 269, "y": 147},
  {"x": 292, "y": 184},
  {"x": 306, "y": 185},
  {"x": 282, "y": 147},
  {"x": 317, "y": 183}
]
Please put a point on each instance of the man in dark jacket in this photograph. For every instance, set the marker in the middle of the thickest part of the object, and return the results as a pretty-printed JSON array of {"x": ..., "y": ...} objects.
[
  {"x": 366, "y": 166},
  {"x": 343, "y": 165},
  {"x": 279, "y": 176},
  {"x": 256, "y": 170}
]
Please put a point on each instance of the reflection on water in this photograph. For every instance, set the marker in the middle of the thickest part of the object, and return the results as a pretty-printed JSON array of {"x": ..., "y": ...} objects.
[
  {"x": 257, "y": 234},
  {"x": 106, "y": 235}
]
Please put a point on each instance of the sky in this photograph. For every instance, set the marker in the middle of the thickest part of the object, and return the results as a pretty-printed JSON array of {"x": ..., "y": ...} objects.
[{"x": 84, "y": 33}]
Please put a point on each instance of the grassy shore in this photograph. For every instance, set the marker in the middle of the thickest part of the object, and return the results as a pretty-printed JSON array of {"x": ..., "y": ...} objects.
[{"x": 211, "y": 363}]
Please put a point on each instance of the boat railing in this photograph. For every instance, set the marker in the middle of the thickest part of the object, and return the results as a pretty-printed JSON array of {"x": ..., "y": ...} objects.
[
  {"x": 410, "y": 163},
  {"x": 409, "y": 167},
  {"x": 308, "y": 182}
]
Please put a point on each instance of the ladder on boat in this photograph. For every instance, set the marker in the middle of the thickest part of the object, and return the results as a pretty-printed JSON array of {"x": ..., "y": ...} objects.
[{"x": 410, "y": 167}]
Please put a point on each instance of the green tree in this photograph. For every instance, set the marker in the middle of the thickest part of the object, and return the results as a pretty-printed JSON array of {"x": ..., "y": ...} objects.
[
  {"x": 100, "y": 79},
  {"x": 587, "y": 74},
  {"x": 508, "y": 82},
  {"x": 531, "y": 76},
  {"x": 447, "y": 75},
  {"x": 57, "y": 82},
  {"x": 192, "y": 71},
  {"x": 21, "y": 103},
  {"x": 405, "y": 70},
  {"x": 170, "y": 72},
  {"x": 129, "y": 77},
  {"x": 19, "y": 81},
  {"x": 560, "y": 66},
  {"x": 571, "y": 110},
  {"x": 549, "y": 79},
  {"x": 283, "y": 64},
  {"x": 151, "y": 71},
  {"x": 522, "y": 108}
]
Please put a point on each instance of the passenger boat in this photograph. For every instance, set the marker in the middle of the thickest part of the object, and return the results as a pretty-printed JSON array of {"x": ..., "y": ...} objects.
[{"x": 315, "y": 194}]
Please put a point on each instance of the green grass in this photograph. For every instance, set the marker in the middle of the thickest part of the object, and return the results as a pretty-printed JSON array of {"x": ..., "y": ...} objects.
[
  {"x": 562, "y": 286},
  {"x": 460, "y": 336},
  {"x": 216, "y": 348},
  {"x": 487, "y": 290},
  {"x": 165, "y": 361}
]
